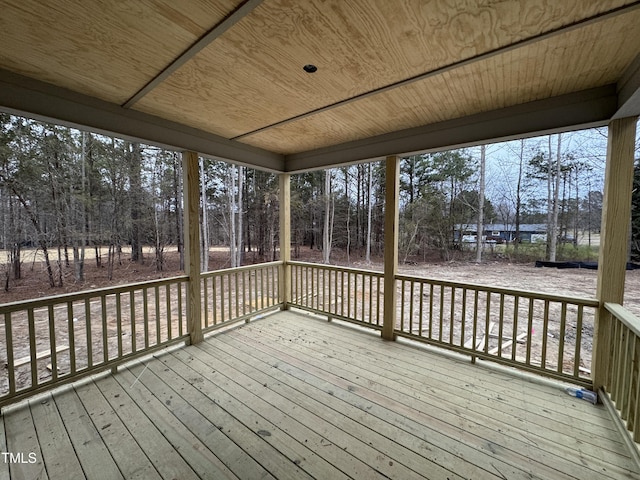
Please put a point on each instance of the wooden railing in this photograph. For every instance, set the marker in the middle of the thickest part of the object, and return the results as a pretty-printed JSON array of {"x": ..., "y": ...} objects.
[
  {"x": 53, "y": 340},
  {"x": 623, "y": 377},
  {"x": 338, "y": 292},
  {"x": 236, "y": 294},
  {"x": 537, "y": 332}
]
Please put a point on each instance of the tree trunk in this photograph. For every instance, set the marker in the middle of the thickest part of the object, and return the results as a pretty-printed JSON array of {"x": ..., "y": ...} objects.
[
  {"x": 369, "y": 214},
  {"x": 556, "y": 204},
  {"x": 519, "y": 196},
  {"x": 327, "y": 234},
  {"x": 135, "y": 169},
  {"x": 480, "y": 223},
  {"x": 232, "y": 214},
  {"x": 204, "y": 224},
  {"x": 177, "y": 198},
  {"x": 239, "y": 238}
]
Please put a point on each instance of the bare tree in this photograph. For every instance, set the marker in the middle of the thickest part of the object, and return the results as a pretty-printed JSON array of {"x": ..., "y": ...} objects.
[{"x": 481, "y": 188}]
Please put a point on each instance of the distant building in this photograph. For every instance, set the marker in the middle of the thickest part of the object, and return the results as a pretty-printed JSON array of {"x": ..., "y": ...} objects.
[{"x": 501, "y": 233}]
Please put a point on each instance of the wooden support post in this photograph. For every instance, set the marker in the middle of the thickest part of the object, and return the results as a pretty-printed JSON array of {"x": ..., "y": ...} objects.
[
  {"x": 614, "y": 239},
  {"x": 191, "y": 211},
  {"x": 285, "y": 239},
  {"x": 392, "y": 185}
]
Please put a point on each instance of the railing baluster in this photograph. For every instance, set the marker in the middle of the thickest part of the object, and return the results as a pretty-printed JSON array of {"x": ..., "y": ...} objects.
[
  {"x": 411, "y": 285},
  {"x": 214, "y": 298},
  {"x": 105, "y": 331},
  {"x": 529, "y": 330},
  {"x": 167, "y": 295},
  {"x": 87, "y": 321},
  {"x": 441, "y": 313},
  {"x": 421, "y": 308},
  {"x": 476, "y": 296},
  {"x": 487, "y": 323},
  {"x": 500, "y": 325},
  {"x": 430, "y": 310},
  {"x": 627, "y": 365},
  {"x": 145, "y": 315},
  {"x": 378, "y": 292},
  {"x": 463, "y": 315},
  {"x": 222, "y": 298},
  {"x": 261, "y": 289},
  {"x": 157, "y": 304},
  {"x": 11, "y": 372},
  {"x": 132, "y": 308},
  {"x": 563, "y": 327},
  {"x": 180, "y": 309},
  {"x": 576, "y": 355},
  {"x": 52, "y": 343},
  {"x": 72, "y": 338},
  {"x": 244, "y": 293},
  {"x": 514, "y": 332},
  {"x": 402, "y": 289},
  {"x": 545, "y": 332},
  {"x": 32, "y": 347},
  {"x": 119, "y": 323},
  {"x": 235, "y": 289},
  {"x": 205, "y": 300},
  {"x": 452, "y": 314}
]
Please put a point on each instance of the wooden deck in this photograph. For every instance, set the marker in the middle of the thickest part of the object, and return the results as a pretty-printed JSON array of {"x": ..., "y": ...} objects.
[{"x": 295, "y": 397}]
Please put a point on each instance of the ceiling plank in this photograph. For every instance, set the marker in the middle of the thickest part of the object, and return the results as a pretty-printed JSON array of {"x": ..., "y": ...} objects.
[
  {"x": 615, "y": 12},
  {"x": 237, "y": 15},
  {"x": 21, "y": 95},
  {"x": 589, "y": 108}
]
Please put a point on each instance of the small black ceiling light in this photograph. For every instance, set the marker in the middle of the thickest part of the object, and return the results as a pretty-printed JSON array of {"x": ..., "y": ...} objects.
[{"x": 310, "y": 68}]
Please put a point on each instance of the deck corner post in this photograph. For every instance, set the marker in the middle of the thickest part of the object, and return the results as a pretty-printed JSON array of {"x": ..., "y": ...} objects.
[
  {"x": 191, "y": 193},
  {"x": 285, "y": 239},
  {"x": 614, "y": 238},
  {"x": 391, "y": 223}
]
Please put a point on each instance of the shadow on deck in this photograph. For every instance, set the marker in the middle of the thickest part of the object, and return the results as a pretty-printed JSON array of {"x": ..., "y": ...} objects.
[{"x": 291, "y": 396}]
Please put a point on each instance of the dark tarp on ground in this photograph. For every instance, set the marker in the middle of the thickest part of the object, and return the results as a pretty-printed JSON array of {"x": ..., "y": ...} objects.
[{"x": 587, "y": 265}]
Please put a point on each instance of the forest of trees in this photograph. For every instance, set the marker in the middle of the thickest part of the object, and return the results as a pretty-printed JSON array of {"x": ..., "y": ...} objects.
[{"x": 69, "y": 192}]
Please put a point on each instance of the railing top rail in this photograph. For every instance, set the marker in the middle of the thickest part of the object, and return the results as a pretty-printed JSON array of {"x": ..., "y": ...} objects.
[
  {"x": 98, "y": 292},
  {"x": 322, "y": 266},
  {"x": 625, "y": 316},
  {"x": 255, "y": 266},
  {"x": 587, "y": 302}
]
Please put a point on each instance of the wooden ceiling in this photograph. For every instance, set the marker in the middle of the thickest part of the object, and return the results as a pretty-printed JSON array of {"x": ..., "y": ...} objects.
[{"x": 231, "y": 72}]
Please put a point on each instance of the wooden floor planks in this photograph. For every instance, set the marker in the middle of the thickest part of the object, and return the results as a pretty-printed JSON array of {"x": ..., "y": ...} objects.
[{"x": 294, "y": 397}]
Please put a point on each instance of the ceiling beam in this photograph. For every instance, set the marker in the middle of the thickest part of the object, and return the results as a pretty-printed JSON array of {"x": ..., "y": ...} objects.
[
  {"x": 21, "y": 95},
  {"x": 233, "y": 18},
  {"x": 585, "y": 109},
  {"x": 629, "y": 91}
]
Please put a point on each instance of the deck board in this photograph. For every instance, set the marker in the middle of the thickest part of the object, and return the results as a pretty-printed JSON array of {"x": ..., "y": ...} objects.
[{"x": 295, "y": 397}]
